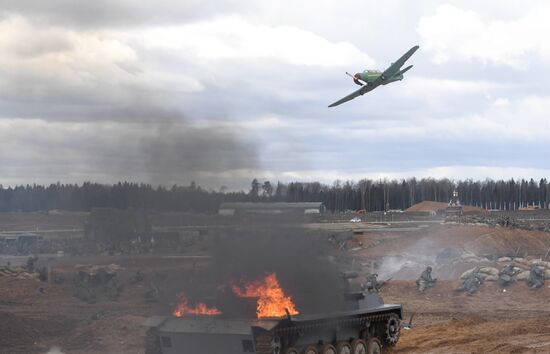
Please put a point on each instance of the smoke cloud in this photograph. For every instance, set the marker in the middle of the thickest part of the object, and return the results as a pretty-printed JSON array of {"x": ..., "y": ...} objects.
[
  {"x": 298, "y": 258},
  {"x": 214, "y": 154}
]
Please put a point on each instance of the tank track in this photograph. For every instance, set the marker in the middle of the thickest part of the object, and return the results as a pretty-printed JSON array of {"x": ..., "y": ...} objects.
[
  {"x": 264, "y": 342},
  {"x": 362, "y": 321}
]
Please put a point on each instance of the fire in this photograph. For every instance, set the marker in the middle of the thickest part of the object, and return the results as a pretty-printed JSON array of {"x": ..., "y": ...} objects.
[
  {"x": 272, "y": 301},
  {"x": 183, "y": 308}
]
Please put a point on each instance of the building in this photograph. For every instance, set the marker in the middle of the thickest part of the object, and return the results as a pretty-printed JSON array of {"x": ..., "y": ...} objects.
[{"x": 272, "y": 208}]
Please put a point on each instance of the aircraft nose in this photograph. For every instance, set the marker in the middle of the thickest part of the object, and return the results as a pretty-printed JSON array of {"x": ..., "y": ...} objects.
[{"x": 356, "y": 79}]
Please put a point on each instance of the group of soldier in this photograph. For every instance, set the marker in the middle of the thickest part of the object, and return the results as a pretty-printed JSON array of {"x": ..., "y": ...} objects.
[
  {"x": 474, "y": 280},
  {"x": 507, "y": 275}
]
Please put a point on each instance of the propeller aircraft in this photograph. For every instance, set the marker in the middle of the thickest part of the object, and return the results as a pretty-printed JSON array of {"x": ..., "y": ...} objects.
[{"x": 371, "y": 79}]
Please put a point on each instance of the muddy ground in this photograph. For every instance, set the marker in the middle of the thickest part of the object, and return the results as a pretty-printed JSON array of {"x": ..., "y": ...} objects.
[{"x": 445, "y": 321}]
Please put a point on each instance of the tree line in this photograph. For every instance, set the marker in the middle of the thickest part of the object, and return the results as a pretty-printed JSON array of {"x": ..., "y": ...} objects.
[{"x": 369, "y": 195}]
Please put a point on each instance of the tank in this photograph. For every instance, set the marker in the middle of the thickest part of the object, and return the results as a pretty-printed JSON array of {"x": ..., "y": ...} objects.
[{"x": 367, "y": 325}]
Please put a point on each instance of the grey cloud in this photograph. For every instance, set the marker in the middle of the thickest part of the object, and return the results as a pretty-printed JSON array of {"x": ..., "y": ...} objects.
[
  {"x": 34, "y": 46},
  {"x": 154, "y": 141},
  {"x": 120, "y": 13},
  {"x": 158, "y": 153},
  {"x": 174, "y": 151},
  {"x": 101, "y": 121}
]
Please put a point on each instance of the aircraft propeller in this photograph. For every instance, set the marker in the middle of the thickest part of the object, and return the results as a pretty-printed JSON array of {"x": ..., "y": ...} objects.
[{"x": 356, "y": 80}]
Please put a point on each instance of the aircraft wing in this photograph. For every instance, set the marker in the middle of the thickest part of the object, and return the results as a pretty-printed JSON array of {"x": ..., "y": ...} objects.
[
  {"x": 364, "y": 89},
  {"x": 394, "y": 68}
]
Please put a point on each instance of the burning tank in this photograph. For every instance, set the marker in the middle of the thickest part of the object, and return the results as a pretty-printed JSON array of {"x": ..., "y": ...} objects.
[{"x": 365, "y": 325}]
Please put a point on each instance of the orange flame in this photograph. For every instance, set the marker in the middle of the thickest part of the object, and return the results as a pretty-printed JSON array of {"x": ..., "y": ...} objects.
[
  {"x": 183, "y": 308},
  {"x": 272, "y": 301}
]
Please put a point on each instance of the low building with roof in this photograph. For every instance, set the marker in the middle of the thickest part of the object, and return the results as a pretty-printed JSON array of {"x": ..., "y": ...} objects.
[{"x": 272, "y": 208}]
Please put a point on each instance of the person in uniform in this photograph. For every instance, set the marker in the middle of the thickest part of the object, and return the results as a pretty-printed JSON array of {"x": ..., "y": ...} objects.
[
  {"x": 506, "y": 275},
  {"x": 472, "y": 283},
  {"x": 31, "y": 264},
  {"x": 113, "y": 289},
  {"x": 372, "y": 284},
  {"x": 536, "y": 277},
  {"x": 425, "y": 281}
]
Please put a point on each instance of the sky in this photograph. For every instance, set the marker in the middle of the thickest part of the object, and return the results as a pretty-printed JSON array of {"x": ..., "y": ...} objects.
[{"x": 219, "y": 92}]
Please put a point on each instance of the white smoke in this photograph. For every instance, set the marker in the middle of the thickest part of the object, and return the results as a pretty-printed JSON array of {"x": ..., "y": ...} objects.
[
  {"x": 410, "y": 263},
  {"x": 55, "y": 350}
]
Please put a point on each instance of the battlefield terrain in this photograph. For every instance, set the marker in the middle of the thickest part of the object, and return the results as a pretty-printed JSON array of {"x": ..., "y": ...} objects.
[{"x": 44, "y": 310}]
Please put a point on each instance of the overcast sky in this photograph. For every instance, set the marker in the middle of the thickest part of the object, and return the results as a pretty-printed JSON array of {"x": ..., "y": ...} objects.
[{"x": 223, "y": 91}]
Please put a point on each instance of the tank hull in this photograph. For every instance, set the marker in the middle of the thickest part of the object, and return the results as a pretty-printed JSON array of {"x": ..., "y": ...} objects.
[{"x": 209, "y": 334}]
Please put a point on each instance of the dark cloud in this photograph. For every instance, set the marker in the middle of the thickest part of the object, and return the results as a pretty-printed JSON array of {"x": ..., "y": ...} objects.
[
  {"x": 176, "y": 150},
  {"x": 121, "y": 13},
  {"x": 153, "y": 152}
]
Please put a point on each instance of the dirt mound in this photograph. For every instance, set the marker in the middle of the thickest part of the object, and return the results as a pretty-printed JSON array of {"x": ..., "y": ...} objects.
[
  {"x": 429, "y": 206},
  {"x": 503, "y": 241},
  {"x": 479, "y": 240}
]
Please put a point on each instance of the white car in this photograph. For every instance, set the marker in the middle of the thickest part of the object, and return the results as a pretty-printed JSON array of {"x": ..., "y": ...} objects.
[{"x": 355, "y": 219}]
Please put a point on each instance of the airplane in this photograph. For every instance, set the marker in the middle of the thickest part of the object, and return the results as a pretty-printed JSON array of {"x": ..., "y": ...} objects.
[{"x": 371, "y": 79}]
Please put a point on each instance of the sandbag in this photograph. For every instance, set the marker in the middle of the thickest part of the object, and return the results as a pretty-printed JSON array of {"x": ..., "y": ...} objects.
[
  {"x": 467, "y": 273},
  {"x": 489, "y": 270},
  {"x": 491, "y": 278},
  {"x": 541, "y": 263},
  {"x": 504, "y": 259},
  {"x": 522, "y": 261},
  {"x": 523, "y": 275}
]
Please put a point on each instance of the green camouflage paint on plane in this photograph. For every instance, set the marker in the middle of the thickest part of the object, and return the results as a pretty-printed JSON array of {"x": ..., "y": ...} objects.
[
  {"x": 371, "y": 79},
  {"x": 370, "y": 76}
]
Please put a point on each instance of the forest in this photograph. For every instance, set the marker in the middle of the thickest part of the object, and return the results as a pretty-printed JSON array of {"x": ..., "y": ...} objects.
[{"x": 369, "y": 195}]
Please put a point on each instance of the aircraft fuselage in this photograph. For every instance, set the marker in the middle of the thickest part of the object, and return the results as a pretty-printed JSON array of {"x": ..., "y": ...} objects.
[{"x": 369, "y": 76}]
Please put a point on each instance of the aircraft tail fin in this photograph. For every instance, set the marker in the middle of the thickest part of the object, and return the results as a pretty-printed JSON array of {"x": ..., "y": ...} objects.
[{"x": 401, "y": 72}]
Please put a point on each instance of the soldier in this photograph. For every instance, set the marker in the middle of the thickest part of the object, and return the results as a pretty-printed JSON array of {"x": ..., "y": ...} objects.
[
  {"x": 536, "y": 277},
  {"x": 58, "y": 278},
  {"x": 113, "y": 289},
  {"x": 43, "y": 274},
  {"x": 137, "y": 277},
  {"x": 85, "y": 294},
  {"x": 507, "y": 275},
  {"x": 425, "y": 281},
  {"x": 153, "y": 294},
  {"x": 31, "y": 264},
  {"x": 472, "y": 282},
  {"x": 82, "y": 289},
  {"x": 372, "y": 285}
]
